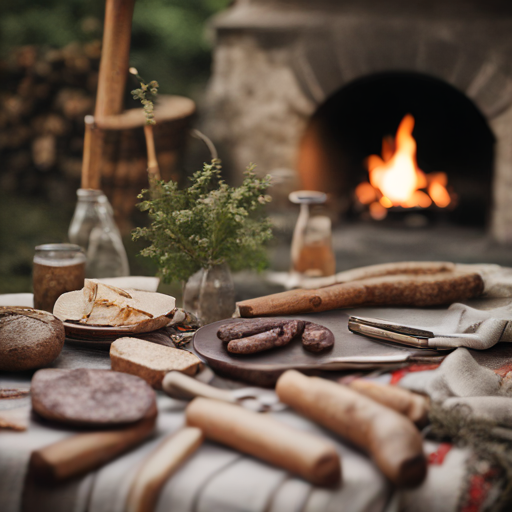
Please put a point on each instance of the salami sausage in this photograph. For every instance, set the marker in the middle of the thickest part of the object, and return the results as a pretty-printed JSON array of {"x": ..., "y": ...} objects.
[
  {"x": 244, "y": 328},
  {"x": 317, "y": 338},
  {"x": 252, "y": 336},
  {"x": 277, "y": 337}
]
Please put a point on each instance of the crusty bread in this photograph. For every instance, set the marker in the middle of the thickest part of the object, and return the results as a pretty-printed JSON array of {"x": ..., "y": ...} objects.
[
  {"x": 91, "y": 398},
  {"x": 150, "y": 361},
  {"x": 29, "y": 338}
]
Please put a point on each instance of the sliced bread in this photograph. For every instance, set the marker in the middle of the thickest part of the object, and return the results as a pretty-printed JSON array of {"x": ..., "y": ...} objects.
[{"x": 150, "y": 361}]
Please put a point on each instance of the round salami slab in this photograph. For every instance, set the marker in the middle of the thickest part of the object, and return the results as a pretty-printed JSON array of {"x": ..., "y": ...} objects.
[{"x": 85, "y": 397}]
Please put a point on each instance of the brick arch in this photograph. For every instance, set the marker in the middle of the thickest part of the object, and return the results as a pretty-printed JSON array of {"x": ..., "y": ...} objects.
[{"x": 325, "y": 61}]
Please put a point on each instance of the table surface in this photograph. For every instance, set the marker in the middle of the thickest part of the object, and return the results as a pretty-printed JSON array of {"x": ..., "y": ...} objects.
[{"x": 215, "y": 478}]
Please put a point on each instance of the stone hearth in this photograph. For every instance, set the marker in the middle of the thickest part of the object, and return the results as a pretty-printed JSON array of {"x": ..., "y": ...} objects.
[{"x": 275, "y": 62}]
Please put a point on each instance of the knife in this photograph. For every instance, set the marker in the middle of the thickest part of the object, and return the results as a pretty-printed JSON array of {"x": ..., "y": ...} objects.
[
  {"x": 398, "y": 333},
  {"x": 182, "y": 387}
]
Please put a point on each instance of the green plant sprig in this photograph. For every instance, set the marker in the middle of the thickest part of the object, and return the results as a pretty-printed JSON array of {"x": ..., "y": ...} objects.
[
  {"x": 147, "y": 96},
  {"x": 206, "y": 224}
]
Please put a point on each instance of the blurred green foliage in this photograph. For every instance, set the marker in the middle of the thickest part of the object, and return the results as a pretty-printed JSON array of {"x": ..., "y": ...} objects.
[
  {"x": 168, "y": 45},
  {"x": 168, "y": 36}
]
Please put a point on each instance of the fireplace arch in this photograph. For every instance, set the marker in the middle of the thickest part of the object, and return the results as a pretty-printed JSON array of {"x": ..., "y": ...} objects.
[
  {"x": 277, "y": 61},
  {"x": 452, "y": 136}
]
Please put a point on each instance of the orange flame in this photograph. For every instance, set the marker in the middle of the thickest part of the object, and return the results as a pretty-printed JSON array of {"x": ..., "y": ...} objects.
[{"x": 396, "y": 179}]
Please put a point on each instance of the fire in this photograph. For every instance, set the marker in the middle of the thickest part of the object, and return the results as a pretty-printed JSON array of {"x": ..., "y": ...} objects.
[{"x": 396, "y": 180}]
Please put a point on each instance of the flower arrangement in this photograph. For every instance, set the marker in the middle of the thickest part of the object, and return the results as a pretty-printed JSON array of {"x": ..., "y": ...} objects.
[{"x": 207, "y": 224}]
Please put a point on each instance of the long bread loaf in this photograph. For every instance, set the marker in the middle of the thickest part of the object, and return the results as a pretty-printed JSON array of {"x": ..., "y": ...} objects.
[{"x": 394, "y": 290}]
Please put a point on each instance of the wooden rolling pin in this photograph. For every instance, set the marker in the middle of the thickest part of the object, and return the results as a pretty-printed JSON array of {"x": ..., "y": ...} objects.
[
  {"x": 81, "y": 453},
  {"x": 410, "y": 404},
  {"x": 313, "y": 458},
  {"x": 391, "y": 290},
  {"x": 165, "y": 459},
  {"x": 391, "y": 439}
]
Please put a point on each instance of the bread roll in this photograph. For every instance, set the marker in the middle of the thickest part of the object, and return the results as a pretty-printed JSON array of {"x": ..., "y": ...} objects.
[{"x": 29, "y": 338}]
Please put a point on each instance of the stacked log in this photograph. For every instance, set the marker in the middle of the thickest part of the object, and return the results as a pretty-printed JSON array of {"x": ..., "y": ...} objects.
[{"x": 46, "y": 93}]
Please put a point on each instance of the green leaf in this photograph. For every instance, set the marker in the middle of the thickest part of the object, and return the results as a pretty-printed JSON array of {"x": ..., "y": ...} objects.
[{"x": 206, "y": 224}]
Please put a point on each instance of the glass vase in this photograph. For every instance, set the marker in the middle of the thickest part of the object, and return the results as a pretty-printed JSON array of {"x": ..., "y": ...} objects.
[{"x": 209, "y": 294}]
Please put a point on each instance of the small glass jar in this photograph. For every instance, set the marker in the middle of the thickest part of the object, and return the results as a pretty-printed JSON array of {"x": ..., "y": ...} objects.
[
  {"x": 311, "y": 251},
  {"x": 58, "y": 268}
]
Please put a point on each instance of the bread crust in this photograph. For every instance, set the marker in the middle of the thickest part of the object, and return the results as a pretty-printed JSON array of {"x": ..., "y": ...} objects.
[
  {"x": 151, "y": 361},
  {"x": 29, "y": 338}
]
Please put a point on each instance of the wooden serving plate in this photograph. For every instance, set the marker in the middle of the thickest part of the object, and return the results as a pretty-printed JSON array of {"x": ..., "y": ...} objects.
[{"x": 350, "y": 352}]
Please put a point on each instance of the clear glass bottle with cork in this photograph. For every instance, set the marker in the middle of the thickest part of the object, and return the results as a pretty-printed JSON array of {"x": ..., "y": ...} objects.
[{"x": 93, "y": 228}]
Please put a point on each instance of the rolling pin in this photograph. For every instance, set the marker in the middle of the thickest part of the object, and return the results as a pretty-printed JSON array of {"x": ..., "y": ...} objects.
[
  {"x": 159, "y": 466},
  {"x": 391, "y": 290},
  {"x": 313, "y": 458},
  {"x": 391, "y": 439},
  {"x": 412, "y": 405},
  {"x": 82, "y": 453}
]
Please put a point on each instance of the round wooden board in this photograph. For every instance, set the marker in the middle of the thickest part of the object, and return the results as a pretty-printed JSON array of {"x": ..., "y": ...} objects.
[{"x": 350, "y": 352}]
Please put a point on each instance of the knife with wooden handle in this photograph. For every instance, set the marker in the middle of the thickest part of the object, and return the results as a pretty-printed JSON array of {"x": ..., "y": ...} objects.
[
  {"x": 182, "y": 387},
  {"x": 165, "y": 459},
  {"x": 82, "y": 453}
]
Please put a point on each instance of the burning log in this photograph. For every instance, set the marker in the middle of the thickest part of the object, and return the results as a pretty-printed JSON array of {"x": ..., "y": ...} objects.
[{"x": 395, "y": 180}]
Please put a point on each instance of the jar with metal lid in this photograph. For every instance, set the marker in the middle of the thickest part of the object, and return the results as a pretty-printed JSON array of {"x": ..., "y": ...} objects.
[
  {"x": 311, "y": 251},
  {"x": 58, "y": 268}
]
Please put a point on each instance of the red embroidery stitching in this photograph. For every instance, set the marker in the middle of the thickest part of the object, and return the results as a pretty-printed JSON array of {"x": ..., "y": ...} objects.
[
  {"x": 398, "y": 375},
  {"x": 437, "y": 458}
]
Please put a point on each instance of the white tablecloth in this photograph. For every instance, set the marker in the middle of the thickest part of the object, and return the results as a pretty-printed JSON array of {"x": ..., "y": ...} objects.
[{"x": 215, "y": 478}]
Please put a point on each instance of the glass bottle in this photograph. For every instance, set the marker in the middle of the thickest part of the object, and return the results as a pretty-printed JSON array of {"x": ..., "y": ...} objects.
[
  {"x": 209, "y": 294},
  {"x": 57, "y": 269},
  {"x": 93, "y": 228},
  {"x": 311, "y": 251}
]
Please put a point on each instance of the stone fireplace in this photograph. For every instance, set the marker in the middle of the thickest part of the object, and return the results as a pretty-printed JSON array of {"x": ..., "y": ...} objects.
[{"x": 283, "y": 70}]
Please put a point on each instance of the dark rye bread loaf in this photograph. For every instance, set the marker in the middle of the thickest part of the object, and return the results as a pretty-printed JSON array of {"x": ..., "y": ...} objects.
[
  {"x": 93, "y": 398},
  {"x": 29, "y": 338}
]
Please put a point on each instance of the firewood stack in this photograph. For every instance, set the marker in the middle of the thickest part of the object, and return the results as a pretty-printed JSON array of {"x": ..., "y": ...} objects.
[{"x": 46, "y": 94}]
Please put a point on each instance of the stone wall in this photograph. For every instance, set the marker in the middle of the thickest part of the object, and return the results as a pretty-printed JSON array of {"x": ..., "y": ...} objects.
[{"x": 274, "y": 63}]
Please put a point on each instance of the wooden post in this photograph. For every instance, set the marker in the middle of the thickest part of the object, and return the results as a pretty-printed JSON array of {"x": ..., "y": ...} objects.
[{"x": 111, "y": 82}]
